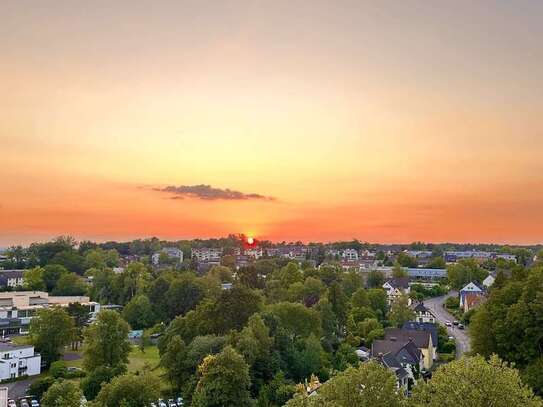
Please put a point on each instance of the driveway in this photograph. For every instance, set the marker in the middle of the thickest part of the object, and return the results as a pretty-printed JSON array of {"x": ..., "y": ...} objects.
[
  {"x": 441, "y": 314},
  {"x": 18, "y": 389}
]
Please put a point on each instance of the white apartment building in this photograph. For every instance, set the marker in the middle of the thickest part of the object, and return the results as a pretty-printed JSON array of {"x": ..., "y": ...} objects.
[
  {"x": 18, "y": 307},
  {"x": 18, "y": 361},
  {"x": 206, "y": 254},
  {"x": 254, "y": 252},
  {"x": 349, "y": 254}
]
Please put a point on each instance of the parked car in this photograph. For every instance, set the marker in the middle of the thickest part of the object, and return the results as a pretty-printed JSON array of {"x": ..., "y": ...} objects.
[
  {"x": 455, "y": 322},
  {"x": 461, "y": 326},
  {"x": 34, "y": 403},
  {"x": 180, "y": 402},
  {"x": 24, "y": 403},
  {"x": 171, "y": 403},
  {"x": 161, "y": 403},
  {"x": 11, "y": 403},
  {"x": 448, "y": 323}
]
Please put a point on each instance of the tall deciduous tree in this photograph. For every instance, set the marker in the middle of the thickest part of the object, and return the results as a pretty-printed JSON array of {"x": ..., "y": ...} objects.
[
  {"x": 50, "y": 331},
  {"x": 370, "y": 384},
  {"x": 62, "y": 394},
  {"x": 139, "y": 312},
  {"x": 473, "y": 381},
  {"x": 129, "y": 391},
  {"x": 106, "y": 342},
  {"x": 400, "y": 312},
  {"x": 224, "y": 381}
]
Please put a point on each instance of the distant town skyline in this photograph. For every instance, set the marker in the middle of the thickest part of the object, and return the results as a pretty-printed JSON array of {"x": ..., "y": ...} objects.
[{"x": 310, "y": 120}]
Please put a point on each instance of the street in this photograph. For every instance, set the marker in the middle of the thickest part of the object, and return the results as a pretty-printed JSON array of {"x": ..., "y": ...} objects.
[{"x": 436, "y": 306}]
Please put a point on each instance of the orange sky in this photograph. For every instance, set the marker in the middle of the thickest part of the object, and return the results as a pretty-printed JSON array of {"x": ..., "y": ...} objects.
[{"x": 386, "y": 122}]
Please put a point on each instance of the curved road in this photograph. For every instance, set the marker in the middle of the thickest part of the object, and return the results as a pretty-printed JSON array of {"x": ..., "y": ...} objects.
[{"x": 436, "y": 306}]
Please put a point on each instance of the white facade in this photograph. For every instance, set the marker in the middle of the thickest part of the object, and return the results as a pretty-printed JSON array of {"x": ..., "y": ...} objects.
[
  {"x": 207, "y": 254},
  {"x": 255, "y": 252},
  {"x": 469, "y": 288},
  {"x": 17, "y": 308},
  {"x": 18, "y": 361},
  {"x": 349, "y": 254},
  {"x": 489, "y": 280}
]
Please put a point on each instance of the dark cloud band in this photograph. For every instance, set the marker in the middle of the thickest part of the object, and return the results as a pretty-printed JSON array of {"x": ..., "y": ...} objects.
[{"x": 209, "y": 193}]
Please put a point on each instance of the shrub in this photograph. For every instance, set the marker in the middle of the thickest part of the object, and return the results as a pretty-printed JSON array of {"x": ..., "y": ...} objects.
[{"x": 58, "y": 369}]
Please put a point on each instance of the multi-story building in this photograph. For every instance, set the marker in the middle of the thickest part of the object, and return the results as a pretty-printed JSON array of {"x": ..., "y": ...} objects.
[
  {"x": 17, "y": 308},
  {"x": 16, "y": 361},
  {"x": 11, "y": 278},
  {"x": 254, "y": 252},
  {"x": 291, "y": 252},
  {"x": 207, "y": 254}
]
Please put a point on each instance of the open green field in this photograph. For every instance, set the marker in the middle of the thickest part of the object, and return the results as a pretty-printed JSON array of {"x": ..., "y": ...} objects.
[{"x": 138, "y": 362}]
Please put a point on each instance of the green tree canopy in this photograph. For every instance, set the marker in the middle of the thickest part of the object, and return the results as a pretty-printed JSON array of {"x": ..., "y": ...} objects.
[
  {"x": 139, "y": 312},
  {"x": 296, "y": 319},
  {"x": 370, "y": 384},
  {"x": 50, "y": 331},
  {"x": 62, "y": 394},
  {"x": 70, "y": 284},
  {"x": 400, "y": 312},
  {"x": 223, "y": 381},
  {"x": 129, "y": 391},
  {"x": 106, "y": 342},
  {"x": 474, "y": 381}
]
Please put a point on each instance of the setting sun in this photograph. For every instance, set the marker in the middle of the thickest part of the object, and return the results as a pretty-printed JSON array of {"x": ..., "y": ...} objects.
[{"x": 250, "y": 240}]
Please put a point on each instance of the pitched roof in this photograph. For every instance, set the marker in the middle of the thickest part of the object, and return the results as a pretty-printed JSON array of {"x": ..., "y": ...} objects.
[
  {"x": 423, "y": 326},
  {"x": 420, "y": 338},
  {"x": 421, "y": 308},
  {"x": 399, "y": 282},
  {"x": 471, "y": 287}
]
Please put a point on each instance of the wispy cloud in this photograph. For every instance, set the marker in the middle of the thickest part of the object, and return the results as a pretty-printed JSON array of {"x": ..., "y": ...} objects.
[{"x": 209, "y": 193}]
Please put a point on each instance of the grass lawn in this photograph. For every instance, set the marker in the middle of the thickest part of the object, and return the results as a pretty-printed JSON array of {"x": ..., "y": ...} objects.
[
  {"x": 21, "y": 340},
  {"x": 138, "y": 361},
  {"x": 147, "y": 360}
]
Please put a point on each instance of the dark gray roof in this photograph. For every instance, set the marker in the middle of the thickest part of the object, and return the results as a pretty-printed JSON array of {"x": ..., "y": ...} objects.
[
  {"x": 420, "y": 308},
  {"x": 423, "y": 326},
  {"x": 420, "y": 338},
  {"x": 399, "y": 282}
]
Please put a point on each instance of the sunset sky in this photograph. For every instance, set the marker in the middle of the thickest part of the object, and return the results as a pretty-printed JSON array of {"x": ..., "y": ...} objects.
[{"x": 386, "y": 121}]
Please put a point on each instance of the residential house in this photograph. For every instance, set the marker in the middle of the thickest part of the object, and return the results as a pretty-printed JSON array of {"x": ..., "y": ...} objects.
[
  {"x": 17, "y": 361},
  {"x": 291, "y": 252},
  {"x": 397, "y": 287},
  {"x": 422, "y": 340},
  {"x": 472, "y": 301},
  {"x": 470, "y": 288},
  {"x": 11, "y": 278},
  {"x": 489, "y": 280},
  {"x": 430, "y": 327},
  {"x": 402, "y": 357},
  {"x": 423, "y": 314},
  {"x": 170, "y": 252}
]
